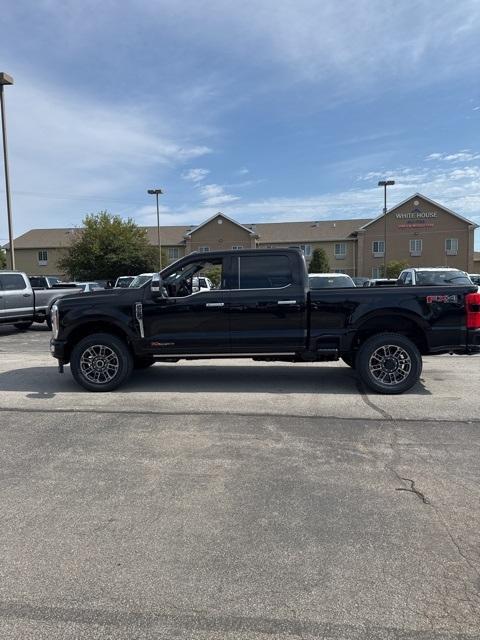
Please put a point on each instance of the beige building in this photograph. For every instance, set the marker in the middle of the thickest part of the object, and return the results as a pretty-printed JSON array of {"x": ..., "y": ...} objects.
[{"x": 419, "y": 231}]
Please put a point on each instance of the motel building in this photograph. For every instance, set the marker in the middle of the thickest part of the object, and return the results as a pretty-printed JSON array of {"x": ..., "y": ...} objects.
[{"x": 419, "y": 231}]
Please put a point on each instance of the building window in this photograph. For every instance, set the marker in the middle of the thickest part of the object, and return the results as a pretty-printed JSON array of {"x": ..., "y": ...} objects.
[
  {"x": 43, "y": 257},
  {"x": 306, "y": 249},
  {"x": 451, "y": 246},
  {"x": 416, "y": 247},
  {"x": 204, "y": 249},
  {"x": 378, "y": 248},
  {"x": 377, "y": 272},
  {"x": 173, "y": 253},
  {"x": 237, "y": 247},
  {"x": 340, "y": 250}
]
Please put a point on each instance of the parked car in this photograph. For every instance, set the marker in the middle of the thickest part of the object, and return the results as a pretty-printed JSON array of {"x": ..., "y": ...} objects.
[
  {"x": 49, "y": 282},
  {"x": 123, "y": 282},
  {"x": 475, "y": 278},
  {"x": 89, "y": 287},
  {"x": 433, "y": 276},
  {"x": 265, "y": 310},
  {"x": 329, "y": 280},
  {"x": 21, "y": 304},
  {"x": 360, "y": 281},
  {"x": 140, "y": 280},
  {"x": 381, "y": 282}
]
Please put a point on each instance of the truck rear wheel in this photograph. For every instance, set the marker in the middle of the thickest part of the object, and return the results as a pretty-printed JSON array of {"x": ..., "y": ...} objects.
[
  {"x": 389, "y": 363},
  {"x": 101, "y": 362}
]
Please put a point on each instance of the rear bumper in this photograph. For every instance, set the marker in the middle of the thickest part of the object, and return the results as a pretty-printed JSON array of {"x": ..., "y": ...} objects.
[{"x": 473, "y": 340}]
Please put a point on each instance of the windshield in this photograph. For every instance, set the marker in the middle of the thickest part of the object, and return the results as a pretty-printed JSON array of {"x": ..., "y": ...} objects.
[
  {"x": 442, "y": 277},
  {"x": 124, "y": 282},
  {"x": 139, "y": 281},
  {"x": 328, "y": 282}
]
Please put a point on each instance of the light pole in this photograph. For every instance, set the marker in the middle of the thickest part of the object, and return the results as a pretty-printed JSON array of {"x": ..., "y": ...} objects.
[
  {"x": 385, "y": 184},
  {"x": 4, "y": 80},
  {"x": 158, "y": 192}
]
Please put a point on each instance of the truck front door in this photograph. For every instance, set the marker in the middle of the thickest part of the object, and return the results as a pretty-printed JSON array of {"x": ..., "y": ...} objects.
[
  {"x": 17, "y": 297},
  {"x": 188, "y": 322},
  {"x": 267, "y": 305}
]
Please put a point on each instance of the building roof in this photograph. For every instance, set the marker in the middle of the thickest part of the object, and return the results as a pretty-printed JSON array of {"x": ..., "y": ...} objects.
[
  {"x": 420, "y": 195},
  {"x": 277, "y": 232},
  {"x": 222, "y": 215},
  {"x": 268, "y": 233}
]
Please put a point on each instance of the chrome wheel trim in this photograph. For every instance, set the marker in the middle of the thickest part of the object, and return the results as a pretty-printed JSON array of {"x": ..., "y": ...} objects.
[
  {"x": 390, "y": 364},
  {"x": 99, "y": 364}
]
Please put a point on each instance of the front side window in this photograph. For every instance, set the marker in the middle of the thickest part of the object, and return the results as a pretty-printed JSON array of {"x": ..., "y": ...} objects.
[
  {"x": 43, "y": 257},
  {"x": 451, "y": 246},
  {"x": 416, "y": 247},
  {"x": 378, "y": 248},
  {"x": 263, "y": 272},
  {"x": 340, "y": 250},
  {"x": 192, "y": 277},
  {"x": 12, "y": 282}
]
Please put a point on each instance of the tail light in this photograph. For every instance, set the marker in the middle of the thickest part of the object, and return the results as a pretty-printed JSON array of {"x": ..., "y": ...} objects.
[{"x": 473, "y": 310}]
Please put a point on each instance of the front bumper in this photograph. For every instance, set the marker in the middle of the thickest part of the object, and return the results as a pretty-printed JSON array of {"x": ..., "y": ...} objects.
[{"x": 58, "y": 349}]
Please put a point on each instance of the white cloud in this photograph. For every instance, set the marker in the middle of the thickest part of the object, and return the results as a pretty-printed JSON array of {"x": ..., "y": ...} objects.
[
  {"x": 465, "y": 155},
  {"x": 214, "y": 194},
  {"x": 195, "y": 175}
]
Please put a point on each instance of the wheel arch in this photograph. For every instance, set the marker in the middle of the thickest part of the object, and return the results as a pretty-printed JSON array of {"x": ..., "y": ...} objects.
[
  {"x": 408, "y": 325},
  {"x": 94, "y": 326}
]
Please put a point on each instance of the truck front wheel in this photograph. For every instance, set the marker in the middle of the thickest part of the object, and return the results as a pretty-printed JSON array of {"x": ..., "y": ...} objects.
[
  {"x": 389, "y": 363},
  {"x": 101, "y": 362}
]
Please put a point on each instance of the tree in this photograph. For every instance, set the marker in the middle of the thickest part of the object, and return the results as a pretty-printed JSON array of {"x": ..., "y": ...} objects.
[
  {"x": 395, "y": 267},
  {"x": 319, "y": 262},
  {"x": 107, "y": 247},
  {"x": 214, "y": 273},
  {"x": 3, "y": 259}
]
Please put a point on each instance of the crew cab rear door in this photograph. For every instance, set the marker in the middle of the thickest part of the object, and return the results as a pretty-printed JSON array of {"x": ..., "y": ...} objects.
[
  {"x": 267, "y": 303},
  {"x": 16, "y": 296}
]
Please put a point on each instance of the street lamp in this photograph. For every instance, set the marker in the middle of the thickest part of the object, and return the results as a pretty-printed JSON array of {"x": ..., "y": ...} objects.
[
  {"x": 385, "y": 184},
  {"x": 158, "y": 192},
  {"x": 4, "y": 80}
]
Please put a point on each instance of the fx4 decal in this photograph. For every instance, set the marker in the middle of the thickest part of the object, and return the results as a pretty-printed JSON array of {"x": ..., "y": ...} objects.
[{"x": 443, "y": 298}]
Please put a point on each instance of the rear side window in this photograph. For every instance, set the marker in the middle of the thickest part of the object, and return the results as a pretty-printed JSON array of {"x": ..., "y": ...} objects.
[
  {"x": 12, "y": 282},
  {"x": 264, "y": 272}
]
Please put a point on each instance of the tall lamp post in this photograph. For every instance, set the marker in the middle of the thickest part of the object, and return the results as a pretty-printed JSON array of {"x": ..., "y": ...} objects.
[
  {"x": 156, "y": 193},
  {"x": 385, "y": 184},
  {"x": 5, "y": 79}
]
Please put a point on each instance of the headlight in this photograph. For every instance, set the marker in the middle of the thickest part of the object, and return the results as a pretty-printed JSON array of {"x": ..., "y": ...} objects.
[{"x": 55, "y": 320}]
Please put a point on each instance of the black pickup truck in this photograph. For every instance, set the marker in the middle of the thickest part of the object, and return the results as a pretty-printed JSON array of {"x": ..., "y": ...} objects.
[{"x": 263, "y": 309}]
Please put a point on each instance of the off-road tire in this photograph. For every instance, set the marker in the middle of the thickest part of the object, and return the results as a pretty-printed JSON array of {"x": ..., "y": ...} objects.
[
  {"x": 102, "y": 356},
  {"x": 389, "y": 363}
]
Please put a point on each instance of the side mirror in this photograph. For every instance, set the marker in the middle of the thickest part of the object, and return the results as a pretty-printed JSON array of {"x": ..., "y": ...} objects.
[{"x": 156, "y": 286}]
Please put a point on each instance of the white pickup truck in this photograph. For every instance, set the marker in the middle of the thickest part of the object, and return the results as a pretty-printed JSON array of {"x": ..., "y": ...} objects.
[{"x": 21, "y": 305}]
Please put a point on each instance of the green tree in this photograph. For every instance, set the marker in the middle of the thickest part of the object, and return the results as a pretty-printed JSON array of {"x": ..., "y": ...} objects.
[
  {"x": 319, "y": 262},
  {"x": 395, "y": 267},
  {"x": 3, "y": 259},
  {"x": 107, "y": 247},
  {"x": 214, "y": 273}
]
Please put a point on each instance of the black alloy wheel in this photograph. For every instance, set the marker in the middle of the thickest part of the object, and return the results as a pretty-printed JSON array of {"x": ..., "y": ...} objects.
[
  {"x": 101, "y": 362},
  {"x": 389, "y": 363}
]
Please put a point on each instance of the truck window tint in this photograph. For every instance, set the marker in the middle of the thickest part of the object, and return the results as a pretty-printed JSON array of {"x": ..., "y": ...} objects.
[
  {"x": 13, "y": 282},
  {"x": 265, "y": 272},
  {"x": 37, "y": 281}
]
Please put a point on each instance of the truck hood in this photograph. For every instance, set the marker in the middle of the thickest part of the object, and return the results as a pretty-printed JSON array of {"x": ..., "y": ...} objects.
[{"x": 101, "y": 298}]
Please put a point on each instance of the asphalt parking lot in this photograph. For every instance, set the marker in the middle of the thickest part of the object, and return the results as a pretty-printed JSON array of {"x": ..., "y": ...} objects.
[{"x": 231, "y": 499}]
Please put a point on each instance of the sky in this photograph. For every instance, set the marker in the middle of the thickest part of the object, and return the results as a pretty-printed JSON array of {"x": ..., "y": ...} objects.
[{"x": 266, "y": 110}]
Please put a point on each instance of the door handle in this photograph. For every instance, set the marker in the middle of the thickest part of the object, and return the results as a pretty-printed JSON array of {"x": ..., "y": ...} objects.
[
  {"x": 215, "y": 304},
  {"x": 26, "y": 295},
  {"x": 287, "y": 302}
]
